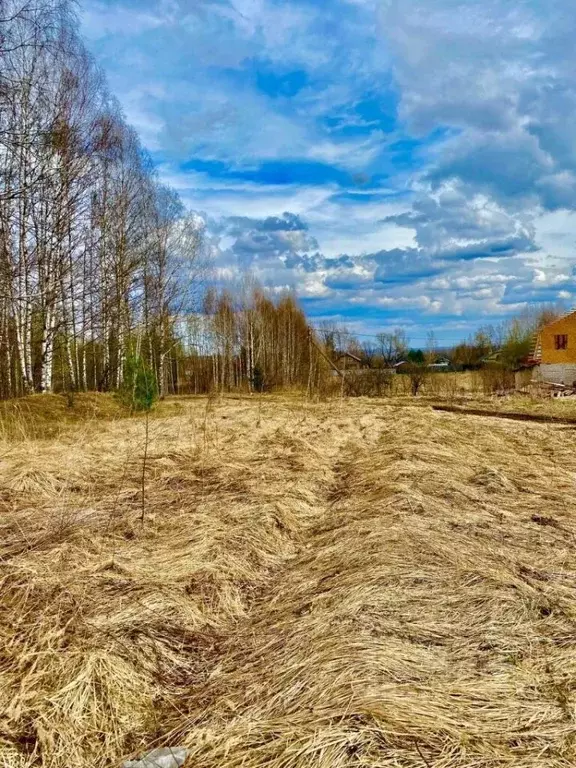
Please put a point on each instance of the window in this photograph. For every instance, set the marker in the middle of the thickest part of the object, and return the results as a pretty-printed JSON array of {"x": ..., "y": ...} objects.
[{"x": 561, "y": 341}]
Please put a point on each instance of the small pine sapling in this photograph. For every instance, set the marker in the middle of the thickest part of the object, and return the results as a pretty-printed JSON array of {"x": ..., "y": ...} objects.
[{"x": 140, "y": 393}]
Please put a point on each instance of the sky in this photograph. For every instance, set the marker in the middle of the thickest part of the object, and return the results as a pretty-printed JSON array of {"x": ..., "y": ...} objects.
[{"x": 396, "y": 162}]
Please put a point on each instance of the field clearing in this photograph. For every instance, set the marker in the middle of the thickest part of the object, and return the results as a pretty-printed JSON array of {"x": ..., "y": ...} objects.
[{"x": 356, "y": 583}]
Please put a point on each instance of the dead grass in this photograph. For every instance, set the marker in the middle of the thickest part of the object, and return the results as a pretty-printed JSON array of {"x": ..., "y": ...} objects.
[
  {"x": 45, "y": 416},
  {"x": 355, "y": 584},
  {"x": 561, "y": 407}
]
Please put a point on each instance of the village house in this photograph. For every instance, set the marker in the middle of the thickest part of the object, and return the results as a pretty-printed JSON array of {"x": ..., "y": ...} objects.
[
  {"x": 554, "y": 354},
  {"x": 350, "y": 362}
]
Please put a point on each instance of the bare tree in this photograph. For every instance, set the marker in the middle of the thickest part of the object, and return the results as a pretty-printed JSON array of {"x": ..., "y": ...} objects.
[
  {"x": 94, "y": 254},
  {"x": 393, "y": 347}
]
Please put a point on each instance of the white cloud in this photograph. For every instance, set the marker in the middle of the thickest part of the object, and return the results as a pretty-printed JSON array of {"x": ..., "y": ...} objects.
[
  {"x": 477, "y": 216},
  {"x": 349, "y": 154},
  {"x": 100, "y": 19},
  {"x": 556, "y": 235}
]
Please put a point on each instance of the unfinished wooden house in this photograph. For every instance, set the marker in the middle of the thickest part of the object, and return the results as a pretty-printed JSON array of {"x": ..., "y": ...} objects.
[{"x": 555, "y": 351}]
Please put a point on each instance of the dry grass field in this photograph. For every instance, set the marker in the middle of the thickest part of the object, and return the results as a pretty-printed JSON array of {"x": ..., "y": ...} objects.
[{"x": 356, "y": 583}]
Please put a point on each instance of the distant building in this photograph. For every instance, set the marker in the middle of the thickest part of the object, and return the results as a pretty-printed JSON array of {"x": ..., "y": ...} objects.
[
  {"x": 440, "y": 364},
  {"x": 349, "y": 362},
  {"x": 554, "y": 356}
]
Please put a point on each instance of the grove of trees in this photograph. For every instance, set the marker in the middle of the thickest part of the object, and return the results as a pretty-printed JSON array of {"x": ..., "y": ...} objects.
[
  {"x": 94, "y": 252},
  {"x": 246, "y": 339}
]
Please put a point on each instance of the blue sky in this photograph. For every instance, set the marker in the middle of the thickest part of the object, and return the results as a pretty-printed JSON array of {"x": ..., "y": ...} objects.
[{"x": 397, "y": 162}]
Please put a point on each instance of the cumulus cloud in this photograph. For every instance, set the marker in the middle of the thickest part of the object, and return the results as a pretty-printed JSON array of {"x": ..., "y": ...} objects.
[
  {"x": 501, "y": 75},
  {"x": 393, "y": 161}
]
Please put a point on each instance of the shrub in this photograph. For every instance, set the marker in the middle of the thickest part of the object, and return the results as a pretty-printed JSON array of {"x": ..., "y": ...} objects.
[
  {"x": 416, "y": 374},
  {"x": 496, "y": 379},
  {"x": 368, "y": 383},
  {"x": 139, "y": 389}
]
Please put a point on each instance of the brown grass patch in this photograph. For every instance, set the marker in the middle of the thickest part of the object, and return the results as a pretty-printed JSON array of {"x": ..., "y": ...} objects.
[
  {"x": 45, "y": 416},
  {"x": 330, "y": 586}
]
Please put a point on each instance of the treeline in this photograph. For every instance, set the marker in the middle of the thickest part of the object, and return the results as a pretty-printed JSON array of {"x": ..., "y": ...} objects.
[
  {"x": 248, "y": 340},
  {"x": 97, "y": 258},
  {"x": 506, "y": 344}
]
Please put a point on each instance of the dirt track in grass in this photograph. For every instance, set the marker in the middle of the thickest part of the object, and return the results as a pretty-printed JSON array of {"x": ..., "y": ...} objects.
[{"x": 353, "y": 584}]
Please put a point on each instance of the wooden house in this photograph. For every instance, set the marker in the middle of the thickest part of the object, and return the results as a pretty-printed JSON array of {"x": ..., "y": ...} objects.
[
  {"x": 349, "y": 362},
  {"x": 554, "y": 355}
]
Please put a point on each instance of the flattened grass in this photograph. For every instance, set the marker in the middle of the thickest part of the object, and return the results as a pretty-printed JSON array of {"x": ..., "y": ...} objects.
[{"x": 333, "y": 585}]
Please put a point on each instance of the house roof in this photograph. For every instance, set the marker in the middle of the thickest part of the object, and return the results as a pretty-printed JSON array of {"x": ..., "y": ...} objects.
[
  {"x": 562, "y": 317},
  {"x": 492, "y": 357}
]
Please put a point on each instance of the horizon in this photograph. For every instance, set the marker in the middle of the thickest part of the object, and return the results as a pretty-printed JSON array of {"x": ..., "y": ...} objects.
[{"x": 396, "y": 164}]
